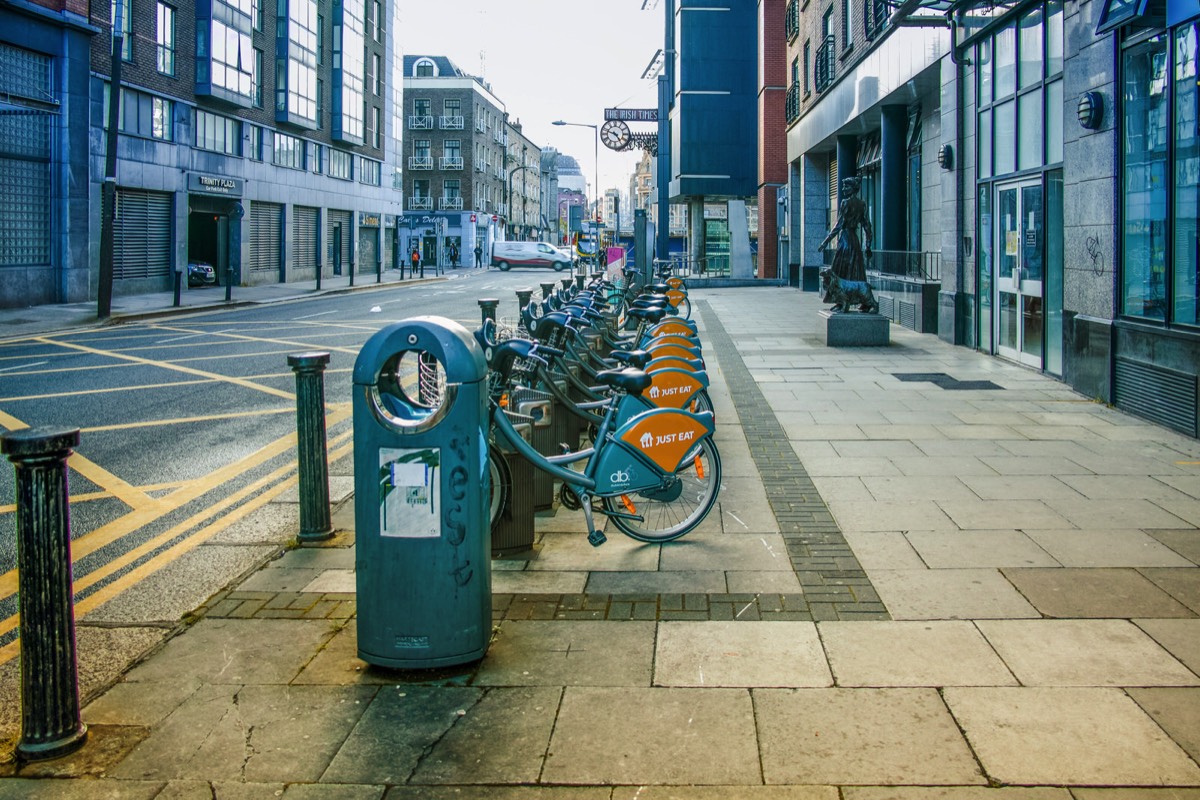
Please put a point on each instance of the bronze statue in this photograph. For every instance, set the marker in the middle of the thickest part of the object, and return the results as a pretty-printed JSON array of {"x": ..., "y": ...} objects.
[{"x": 849, "y": 270}]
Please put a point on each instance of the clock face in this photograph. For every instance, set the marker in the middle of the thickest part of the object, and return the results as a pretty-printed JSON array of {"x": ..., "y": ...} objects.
[{"x": 615, "y": 134}]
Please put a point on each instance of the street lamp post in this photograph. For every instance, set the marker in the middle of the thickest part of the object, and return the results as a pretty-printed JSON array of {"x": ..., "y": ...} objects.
[{"x": 596, "y": 167}]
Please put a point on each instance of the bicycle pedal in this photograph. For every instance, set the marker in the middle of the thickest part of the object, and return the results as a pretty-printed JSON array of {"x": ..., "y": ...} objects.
[{"x": 597, "y": 538}]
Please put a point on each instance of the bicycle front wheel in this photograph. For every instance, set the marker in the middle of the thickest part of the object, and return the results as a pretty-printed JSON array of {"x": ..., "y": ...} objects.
[
  {"x": 683, "y": 308},
  {"x": 678, "y": 505}
]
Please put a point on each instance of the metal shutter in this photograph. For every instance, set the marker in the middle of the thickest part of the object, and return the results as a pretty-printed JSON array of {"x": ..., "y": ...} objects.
[
  {"x": 387, "y": 248},
  {"x": 368, "y": 249},
  {"x": 833, "y": 192},
  {"x": 304, "y": 237},
  {"x": 142, "y": 235},
  {"x": 345, "y": 218},
  {"x": 266, "y": 225}
]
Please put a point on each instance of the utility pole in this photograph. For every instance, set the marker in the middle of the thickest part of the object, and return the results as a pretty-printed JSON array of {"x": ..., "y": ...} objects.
[{"x": 108, "y": 196}]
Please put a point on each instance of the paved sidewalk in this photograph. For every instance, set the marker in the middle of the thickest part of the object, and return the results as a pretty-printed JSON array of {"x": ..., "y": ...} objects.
[{"x": 932, "y": 574}]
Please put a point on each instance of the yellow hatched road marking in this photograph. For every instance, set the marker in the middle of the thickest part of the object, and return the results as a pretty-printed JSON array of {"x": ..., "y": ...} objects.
[
  {"x": 166, "y": 557},
  {"x": 237, "y": 337},
  {"x": 140, "y": 517},
  {"x": 153, "y": 423}
]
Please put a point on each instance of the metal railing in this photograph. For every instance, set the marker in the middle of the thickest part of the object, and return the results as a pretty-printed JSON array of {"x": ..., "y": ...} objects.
[
  {"x": 450, "y": 122},
  {"x": 825, "y": 64},
  {"x": 420, "y": 162},
  {"x": 420, "y": 203},
  {"x": 420, "y": 123},
  {"x": 876, "y": 14},
  {"x": 792, "y": 19},
  {"x": 450, "y": 203},
  {"x": 915, "y": 265},
  {"x": 450, "y": 162},
  {"x": 791, "y": 103}
]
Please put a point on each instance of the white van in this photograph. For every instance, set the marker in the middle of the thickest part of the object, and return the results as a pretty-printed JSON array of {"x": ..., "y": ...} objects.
[{"x": 529, "y": 254}]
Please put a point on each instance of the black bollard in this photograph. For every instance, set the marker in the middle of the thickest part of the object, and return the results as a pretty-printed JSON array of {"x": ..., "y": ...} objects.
[
  {"x": 315, "y": 522},
  {"x": 580, "y": 280},
  {"x": 523, "y": 298},
  {"x": 229, "y": 283},
  {"x": 487, "y": 308},
  {"x": 566, "y": 284},
  {"x": 50, "y": 722},
  {"x": 178, "y": 283},
  {"x": 547, "y": 290}
]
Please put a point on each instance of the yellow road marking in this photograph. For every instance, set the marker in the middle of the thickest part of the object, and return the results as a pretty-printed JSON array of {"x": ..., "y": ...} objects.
[
  {"x": 237, "y": 337},
  {"x": 167, "y": 556},
  {"x": 168, "y": 385},
  {"x": 140, "y": 517},
  {"x": 152, "y": 423},
  {"x": 11, "y": 423},
  {"x": 187, "y": 370},
  {"x": 1188, "y": 463}
]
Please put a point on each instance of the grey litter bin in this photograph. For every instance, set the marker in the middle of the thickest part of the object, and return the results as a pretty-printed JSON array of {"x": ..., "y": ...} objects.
[{"x": 423, "y": 543}]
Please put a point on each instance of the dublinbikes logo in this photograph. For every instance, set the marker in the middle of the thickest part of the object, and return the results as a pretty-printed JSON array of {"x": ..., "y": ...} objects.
[{"x": 622, "y": 477}]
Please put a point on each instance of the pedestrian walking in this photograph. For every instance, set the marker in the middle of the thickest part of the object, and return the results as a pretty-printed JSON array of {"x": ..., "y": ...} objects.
[
  {"x": 453, "y": 255},
  {"x": 416, "y": 262},
  {"x": 478, "y": 256}
]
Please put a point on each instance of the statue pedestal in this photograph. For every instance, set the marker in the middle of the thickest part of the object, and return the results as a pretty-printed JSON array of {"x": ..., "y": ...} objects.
[{"x": 856, "y": 329}]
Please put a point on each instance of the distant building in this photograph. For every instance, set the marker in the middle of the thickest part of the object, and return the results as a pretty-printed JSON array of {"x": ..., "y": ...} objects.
[{"x": 268, "y": 157}]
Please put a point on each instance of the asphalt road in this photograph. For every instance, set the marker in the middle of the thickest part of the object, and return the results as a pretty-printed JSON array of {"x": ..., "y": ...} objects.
[{"x": 186, "y": 420}]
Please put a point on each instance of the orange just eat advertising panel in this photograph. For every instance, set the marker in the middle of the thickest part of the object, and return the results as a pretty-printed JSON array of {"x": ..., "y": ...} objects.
[
  {"x": 673, "y": 329},
  {"x": 666, "y": 435},
  {"x": 675, "y": 297},
  {"x": 672, "y": 388},
  {"x": 675, "y": 283}
]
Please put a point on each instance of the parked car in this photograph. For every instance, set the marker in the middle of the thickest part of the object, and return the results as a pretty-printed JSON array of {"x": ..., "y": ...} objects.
[
  {"x": 200, "y": 273},
  {"x": 529, "y": 254}
]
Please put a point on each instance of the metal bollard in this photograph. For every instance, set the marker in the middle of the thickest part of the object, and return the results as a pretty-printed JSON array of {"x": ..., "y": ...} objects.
[
  {"x": 487, "y": 307},
  {"x": 50, "y": 722},
  {"x": 566, "y": 284},
  {"x": 580, "y": 280},
  {"x": 547, "y": 290},
  {"x": 316, "y": 524},
  {"x": 524, "y": 296}
]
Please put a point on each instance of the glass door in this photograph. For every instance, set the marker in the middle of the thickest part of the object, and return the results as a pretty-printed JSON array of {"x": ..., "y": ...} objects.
[{"x": 1019, "y": 252}]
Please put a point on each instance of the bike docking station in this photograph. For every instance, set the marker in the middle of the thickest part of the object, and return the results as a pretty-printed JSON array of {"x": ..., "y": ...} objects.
[{"x": 423, "y": 544}]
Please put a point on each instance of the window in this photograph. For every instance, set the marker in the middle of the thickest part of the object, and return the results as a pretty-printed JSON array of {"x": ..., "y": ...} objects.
[
  {"x": 807, "y": 61},
  {"x": 377, "y": 19},
  {"x": 453, "y": 148},
  {"x": 296, "y": 64},
  {"x": 847, "y": 24},
  {"x": 375, "y": 129},
  {"x": 421, "y": 187},
  {"x": 126, "y": 22},
  {"x": 289, "y": 151},
  {"x": 317, "y": 162},
  {"x": 341, "y": 164},
  {"x": 225, "y": 54},
  {"x": 218, "y": 134},
  {"x": 256, "y": 143},
  {"x": 423, "y": 69},
  {"x": 320, "y": 40},
  {"x": 256, "y": 14},
  {"x": 422, "y": 107},
  {"x": 452, "y": 107},
  {"x": 256, "y": 78},
  {"x": 370, "y": 172},
  {"x": 421, "y": 148},
  {"x": 143, "y": 114},
  {"x": 320, "y": 101},
  {"x": 377, "y": 72},
  {"x": 349, "y": 48},
  {"x": 166, "y": 39}
]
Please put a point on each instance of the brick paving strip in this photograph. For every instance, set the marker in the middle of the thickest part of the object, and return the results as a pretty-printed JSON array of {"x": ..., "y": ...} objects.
[{"x": 834, "y": 583}]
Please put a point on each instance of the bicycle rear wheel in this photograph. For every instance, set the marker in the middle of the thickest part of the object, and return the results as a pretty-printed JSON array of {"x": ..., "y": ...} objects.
[{"x": 676, "y": 507}]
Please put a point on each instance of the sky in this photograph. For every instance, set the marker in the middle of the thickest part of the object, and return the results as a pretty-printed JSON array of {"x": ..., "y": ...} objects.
[{"x": 549, "y": 60}]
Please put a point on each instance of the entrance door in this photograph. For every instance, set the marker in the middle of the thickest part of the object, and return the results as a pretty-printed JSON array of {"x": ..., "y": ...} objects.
[{"x": 1020, "y": 320}]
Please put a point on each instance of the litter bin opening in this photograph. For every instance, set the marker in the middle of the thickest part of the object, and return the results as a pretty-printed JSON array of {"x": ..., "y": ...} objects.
[{"x": 411, "y": 391}]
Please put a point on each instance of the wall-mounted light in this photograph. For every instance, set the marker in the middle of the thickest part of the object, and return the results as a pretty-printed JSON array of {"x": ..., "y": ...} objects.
[
  {"x": 1090, "y": 110},
  {"x": 946, "y": 157}
]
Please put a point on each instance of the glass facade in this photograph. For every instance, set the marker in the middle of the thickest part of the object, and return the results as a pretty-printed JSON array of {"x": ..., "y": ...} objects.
[
  {"x": 165, "y": 54},
  {"x": 296, "y": 63},
  {"x": 349, "y": 42},
  {"x": 289, "y": 151},
  {"x": 341, "y": 164},
  {"x": 225, "y": 51},
  {"x": 218, "y": 134}
]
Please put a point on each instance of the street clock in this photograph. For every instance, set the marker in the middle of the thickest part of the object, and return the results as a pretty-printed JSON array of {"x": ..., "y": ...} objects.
[{"x": 615, "y": 134}]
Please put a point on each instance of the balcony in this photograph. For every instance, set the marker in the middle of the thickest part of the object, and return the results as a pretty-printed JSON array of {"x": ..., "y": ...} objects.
[
  {"x": 450, "y": 122},
  {"x": 450, "y": 162},
  {"x": 420, "y": 162},
  {"x": 791, "y": 103},
  {"x": 420, "y": 204},
  {"x": 450, "y": 203},
  {"x": 499, "y": 137},
  {"x": 419, "y": 123},
  {"x": 825, "y": 64},
  {"x": 480, "y": 166},
  {"x": 876, "y": 15},
  {"x": 480, "y": 126},
  {"x": 792, "y": 19},
  {"x": 502, "y": 208}
]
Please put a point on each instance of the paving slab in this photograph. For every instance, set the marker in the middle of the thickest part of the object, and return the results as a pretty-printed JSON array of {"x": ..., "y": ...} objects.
[
  {"x": 234, "y": 651},
  {"x": 336, "y": 581},
  {"x": 770, "y": 582},
  {"x": 315, "y": 558},
  {"x": 1182, "y": 584},
  {"x": 1130, "y": 487},
  {"x": 317, "y": 791},
  {"x": 250, "y": 733},
  {"x": 1177, "y": 711},
  {"x": 724, "y": 792},
  {"x": 949, "y": 594},
  {"x": 1123, "y": 513},
  {"x": 955, "y": 793},
  {"x": 574, "y": 653},
  {"x": 502, "y": 739},
  {"x": 1186, "y": 510},
  {"x": 1107, "y": 547},
  {"x": 744, "y": 499},
  {"x": 280, "y": 579},
  {"x": 144, "y": 703},
  {"x": 1088, "y": 652},
  {"x": 219, "y": 790},
  {"x": 946, "y": 466},
  {"x": 893, "y": 515},
  {"x": 1094, "y": 593},
  {"x": 860, "y": 736},
  {"x": 525, "y": 792},
  {"x": 877, "y": 550},
  {"x": 711, "y": 582},
  {"x": 572, "y": 552},
  {"x": 1180, "y": 637},
  {"x": 42, "y": 789},
  {"x": 636, "y": 736},
  {"x": 941, "y": 653},
  {"x": 1132, "y": 793},
  {"x": 1068, "y": 737},
  {"x": 990, "y": 514},
  {"x": 1018, "y": 487},
  {"x": 764, "y": 552},
  {"x": 739, "y": 654},
  {"x": 395, "y": 731},
  {"x": 538, "y": 582},
  {"x": 1182, "y": 541},
  {"x": 975, "y": 549}
]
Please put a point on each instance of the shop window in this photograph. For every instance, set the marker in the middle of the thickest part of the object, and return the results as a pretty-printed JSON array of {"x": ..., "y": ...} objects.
[
  {"x": 1029, "y": 144},
  {"x": 1031, "y": 60},
  {"x": 1006, "y": 62}
]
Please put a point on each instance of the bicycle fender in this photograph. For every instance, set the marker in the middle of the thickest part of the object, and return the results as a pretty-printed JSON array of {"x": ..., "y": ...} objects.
[
  {"x": 663, "y": 437},
  {"x": 673, "y": 388}
]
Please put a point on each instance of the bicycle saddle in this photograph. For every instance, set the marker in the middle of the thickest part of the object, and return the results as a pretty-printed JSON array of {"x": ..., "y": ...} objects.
[
  {"x": 632, "y": 358},
  {"x": 629, "y": 380},
  {"x": 551, "y": 320},
  {"x": 650, "y": 314}
]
